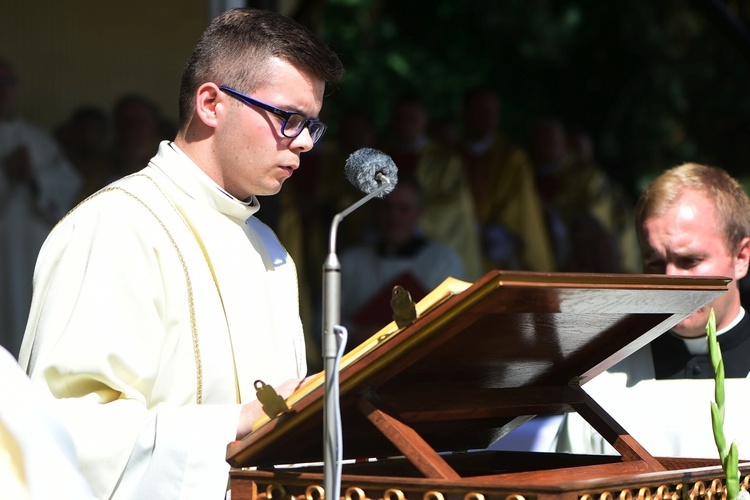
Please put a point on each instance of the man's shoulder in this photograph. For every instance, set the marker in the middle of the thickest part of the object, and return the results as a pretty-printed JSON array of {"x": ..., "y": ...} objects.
[
  {"x": 141, "y": 186},
  {"x": 126, "y": 202}
]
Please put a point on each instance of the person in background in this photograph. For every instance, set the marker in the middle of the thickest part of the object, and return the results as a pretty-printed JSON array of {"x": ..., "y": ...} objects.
[
  {"x": 509, "y": 213},
  {"x": 162, "y": 299},
  {"x": 37, "y": 186},
  {"x": 401, "y": 255},
  {"x": 333, "y": 192},
  {"x": 136, "y": 132},
  {"x": 588, "y": 213},
  {"x": 449, "y": 209},
  {"x": 84, "y": 138},
  {"x": 305, "y": 219},
  {"x": 693, "y": 220}
]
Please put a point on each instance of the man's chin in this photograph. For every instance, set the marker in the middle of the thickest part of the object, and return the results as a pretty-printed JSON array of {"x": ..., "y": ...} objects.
[
  {"x": 270, "y": 190},
  {"x": 692, "y": 327}
]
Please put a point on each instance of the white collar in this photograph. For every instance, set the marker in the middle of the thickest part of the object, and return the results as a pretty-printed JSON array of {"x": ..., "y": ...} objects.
[
  {"x": 185, "y": 173},
  {"x": 699, "y": 345}
]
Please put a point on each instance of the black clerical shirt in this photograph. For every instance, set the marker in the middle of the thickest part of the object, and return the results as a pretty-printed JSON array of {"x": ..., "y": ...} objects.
[{"x": 672, "y": 360}]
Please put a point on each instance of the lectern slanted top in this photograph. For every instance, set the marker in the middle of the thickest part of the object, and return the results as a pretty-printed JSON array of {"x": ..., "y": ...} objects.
[{"x": 479, "y": 360}]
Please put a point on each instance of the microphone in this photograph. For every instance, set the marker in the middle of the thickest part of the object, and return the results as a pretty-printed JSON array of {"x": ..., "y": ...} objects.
[
  {"x": 367, "y": 169},
  {"x": 375, "y": 174}
]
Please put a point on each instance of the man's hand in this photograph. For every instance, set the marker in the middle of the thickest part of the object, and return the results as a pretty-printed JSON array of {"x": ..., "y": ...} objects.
[{"x": 253, "y": 410}]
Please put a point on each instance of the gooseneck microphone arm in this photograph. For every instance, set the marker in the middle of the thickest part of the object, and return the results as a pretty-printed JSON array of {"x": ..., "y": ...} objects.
[
  {"x": 334, "y": 335},
  {"x": 385, "y": 185}
]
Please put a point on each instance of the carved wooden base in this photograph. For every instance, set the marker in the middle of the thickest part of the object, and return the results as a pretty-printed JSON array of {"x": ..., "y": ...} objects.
[{"x": 704, "y": 483}]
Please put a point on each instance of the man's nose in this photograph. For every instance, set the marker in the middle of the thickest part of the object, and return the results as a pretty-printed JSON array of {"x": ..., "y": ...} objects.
[{"x": 304, "y": 140}]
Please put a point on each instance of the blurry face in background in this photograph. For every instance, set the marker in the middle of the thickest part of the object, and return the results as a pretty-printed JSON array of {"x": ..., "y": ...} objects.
[
  {"x": 92, "y": 134},
  {"x": 548, "y": 145},
  {"x": 399, "y": 214},
  {"x": 8, "y": 91},
  {"x": 356, "y": 131},
  {"x": 409, "y": 122},
  {"x": 582, "y": 146},
  {"x": 481, "y": 115},
  {"x": 135, "y": 125}
]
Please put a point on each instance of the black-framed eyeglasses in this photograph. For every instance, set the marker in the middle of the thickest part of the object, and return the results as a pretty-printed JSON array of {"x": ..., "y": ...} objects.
[{"x": 293, "y": 124}]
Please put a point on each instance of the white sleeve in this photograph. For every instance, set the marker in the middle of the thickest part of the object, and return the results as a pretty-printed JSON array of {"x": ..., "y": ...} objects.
[
  {"x": 187, "y": 459},
  {"x": 32, "y": 438}
]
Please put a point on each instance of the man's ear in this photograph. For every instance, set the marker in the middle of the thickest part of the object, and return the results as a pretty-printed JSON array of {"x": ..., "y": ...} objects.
[
  {"x": 207, "y": 99},
  {"x": 742, "y": 259}
]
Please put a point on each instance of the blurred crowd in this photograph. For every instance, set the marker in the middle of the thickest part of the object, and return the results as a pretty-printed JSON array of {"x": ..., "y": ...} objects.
[
  {"x": 539, "y": 204},
  {"x": 471, "y": 199},
  {"x": 44, "y": 173}
]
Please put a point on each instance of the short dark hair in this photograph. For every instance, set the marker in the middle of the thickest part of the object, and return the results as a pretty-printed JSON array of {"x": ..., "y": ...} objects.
[{"x": 238, "y": 43}]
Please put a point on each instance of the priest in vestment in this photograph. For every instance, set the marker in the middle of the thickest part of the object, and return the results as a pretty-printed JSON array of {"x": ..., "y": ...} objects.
[
  {"x": 161, "y": 300},
  {"x": 449, "y": 216},
  {"x": 508, "y": 210}
]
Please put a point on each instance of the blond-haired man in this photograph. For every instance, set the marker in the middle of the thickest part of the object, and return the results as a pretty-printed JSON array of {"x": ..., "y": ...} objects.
[{"x": 691, "y": 220}]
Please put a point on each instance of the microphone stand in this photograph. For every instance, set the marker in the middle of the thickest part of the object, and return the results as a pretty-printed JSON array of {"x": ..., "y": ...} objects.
[{"x": 334, "y": 341}]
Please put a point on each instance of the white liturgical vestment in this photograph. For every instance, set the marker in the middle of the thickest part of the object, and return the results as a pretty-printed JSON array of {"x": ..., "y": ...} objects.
[
  {"x": 669, "y": 417},
  {"x": 30, "y": 435},
  {"x": 158, "y": 302}
]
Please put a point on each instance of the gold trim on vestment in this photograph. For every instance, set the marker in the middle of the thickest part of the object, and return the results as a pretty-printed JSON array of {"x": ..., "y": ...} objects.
[{"x": 191, "y": 302}]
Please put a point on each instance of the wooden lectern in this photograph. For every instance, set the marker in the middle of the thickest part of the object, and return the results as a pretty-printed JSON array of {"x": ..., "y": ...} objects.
[{"x": 421, "y": 404}]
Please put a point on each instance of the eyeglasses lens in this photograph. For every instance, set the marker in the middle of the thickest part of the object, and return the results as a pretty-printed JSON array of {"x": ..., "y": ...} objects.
[{"x": 294, "y": 125}]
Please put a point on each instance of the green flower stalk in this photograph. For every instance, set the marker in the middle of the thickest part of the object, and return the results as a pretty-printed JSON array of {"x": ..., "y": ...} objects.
[{"x": 729, "y": 457}]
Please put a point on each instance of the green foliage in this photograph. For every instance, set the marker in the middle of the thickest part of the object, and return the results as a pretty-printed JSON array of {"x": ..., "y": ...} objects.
[
  {"x": 729, "y": 457},
  {"x": 658, "y": 83}
]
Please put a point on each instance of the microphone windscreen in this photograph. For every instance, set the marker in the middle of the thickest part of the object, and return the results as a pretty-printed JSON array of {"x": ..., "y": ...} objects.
[{"x": 362, "y": 169}]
